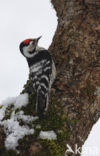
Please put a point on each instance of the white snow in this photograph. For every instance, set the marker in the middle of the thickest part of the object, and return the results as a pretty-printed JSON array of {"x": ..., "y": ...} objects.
[
  {"x": 51, "y": 135},
  {"x": 25, "y": 118},
  {"x": 18, "y": 102},
  {"x": 13, "y": 130},
  {"x": 21, "y": 100},
  {"x": 4, "y": 105}
]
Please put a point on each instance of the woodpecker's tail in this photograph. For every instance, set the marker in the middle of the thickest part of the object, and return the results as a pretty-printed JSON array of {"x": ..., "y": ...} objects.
[{"x": 41, "y": 103}]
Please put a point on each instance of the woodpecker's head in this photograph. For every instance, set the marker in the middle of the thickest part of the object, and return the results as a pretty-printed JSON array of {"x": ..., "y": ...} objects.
[{"x": 28, "y": 47}]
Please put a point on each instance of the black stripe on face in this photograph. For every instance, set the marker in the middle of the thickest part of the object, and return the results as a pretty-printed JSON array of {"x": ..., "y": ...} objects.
[{"x": 31, "y": 52}]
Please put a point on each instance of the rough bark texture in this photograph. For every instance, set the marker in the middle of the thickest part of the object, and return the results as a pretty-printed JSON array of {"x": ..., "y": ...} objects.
[
  {"x": 76, "y": 49},
  {"x": 75, "y": 99}
]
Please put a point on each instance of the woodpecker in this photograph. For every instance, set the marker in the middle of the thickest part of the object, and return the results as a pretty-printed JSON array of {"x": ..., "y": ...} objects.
[{"x": 42, "y": 71}]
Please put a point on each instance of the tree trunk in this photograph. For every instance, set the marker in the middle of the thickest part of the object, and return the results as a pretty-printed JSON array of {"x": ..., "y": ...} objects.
[
  {"x": 75, "y": 97},
  {"x": 76, "y": 49}
]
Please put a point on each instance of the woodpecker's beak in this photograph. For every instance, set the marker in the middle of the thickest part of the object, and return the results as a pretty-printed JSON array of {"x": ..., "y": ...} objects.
[{"x": 38, "y": 38}]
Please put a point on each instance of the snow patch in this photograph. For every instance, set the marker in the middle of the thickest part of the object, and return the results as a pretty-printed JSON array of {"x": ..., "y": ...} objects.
[
  {"x": 18, "y": 102},
  {"x": 25, "y": 118},
  {"x": 51, "y": 135},
  {"x": 21, "y": 100},
  {"x": 14, "y": 132},
  {"x": 12, "y": 128}
]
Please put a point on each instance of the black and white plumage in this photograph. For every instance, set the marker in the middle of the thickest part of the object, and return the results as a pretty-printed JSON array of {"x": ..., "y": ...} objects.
[{"x": 42, "y": 71}]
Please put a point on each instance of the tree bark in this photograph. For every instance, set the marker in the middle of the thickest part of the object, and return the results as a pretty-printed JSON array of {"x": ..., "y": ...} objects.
[
  {"x": 76, "y": 49},
  {"x": 75, "y": 97}
]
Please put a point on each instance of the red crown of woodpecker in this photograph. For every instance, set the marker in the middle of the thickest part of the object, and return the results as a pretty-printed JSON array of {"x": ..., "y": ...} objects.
[
  {"x": 27, "y": 41},
  {"x": 30, "y": 39}
]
